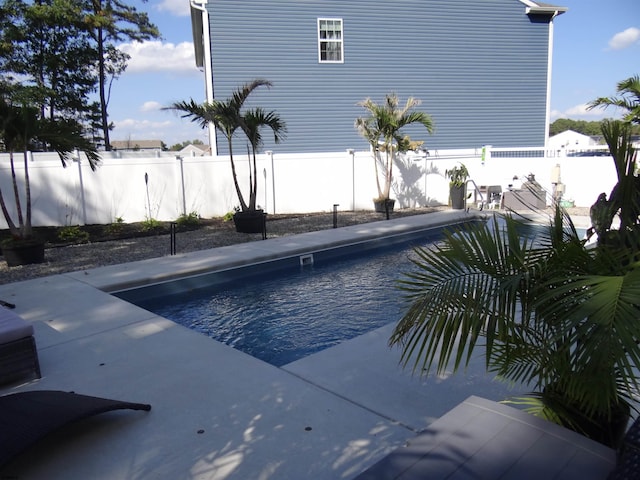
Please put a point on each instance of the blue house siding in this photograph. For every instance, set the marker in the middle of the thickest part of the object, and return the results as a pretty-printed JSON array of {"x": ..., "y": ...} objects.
[{"x": 479, "y": 67}]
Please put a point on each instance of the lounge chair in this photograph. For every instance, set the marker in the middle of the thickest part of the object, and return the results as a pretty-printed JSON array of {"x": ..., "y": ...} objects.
[
  {"x": 26, "y": 417},
  {"x": 18, "y": 353}
]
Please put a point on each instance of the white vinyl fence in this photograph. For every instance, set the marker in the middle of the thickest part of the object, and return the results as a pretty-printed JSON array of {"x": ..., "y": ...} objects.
[{"x": 287, "y": 183}]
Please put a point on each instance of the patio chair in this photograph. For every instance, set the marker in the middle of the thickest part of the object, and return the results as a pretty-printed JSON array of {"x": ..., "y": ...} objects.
[
  {"x": 18, "y": 352},
  {"x": 26, "y": 417},
  {"x": 494, "y": 196}
]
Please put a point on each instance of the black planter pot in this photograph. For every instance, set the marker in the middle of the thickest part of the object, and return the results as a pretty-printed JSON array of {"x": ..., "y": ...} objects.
[
  {"x": 458, "y": 195},
  {"x": 25, "y": 252},
  {"x": 250, "y": 222},
  {"x": 381, "y": 205},
  {"x": 608, "y": 430}
]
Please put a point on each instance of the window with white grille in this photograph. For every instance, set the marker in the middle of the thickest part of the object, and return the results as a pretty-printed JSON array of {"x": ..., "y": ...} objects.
[{"x": 330, "y": 43}]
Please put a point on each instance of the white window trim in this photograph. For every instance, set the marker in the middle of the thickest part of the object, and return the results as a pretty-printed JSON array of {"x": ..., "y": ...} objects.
[{"x": 341, "y": 41}]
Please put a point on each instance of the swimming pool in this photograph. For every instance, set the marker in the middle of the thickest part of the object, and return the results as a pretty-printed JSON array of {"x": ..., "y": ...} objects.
[{"x": 284, "y": 310}]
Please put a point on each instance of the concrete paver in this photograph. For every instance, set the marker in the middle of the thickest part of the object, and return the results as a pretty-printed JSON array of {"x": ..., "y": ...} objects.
[{"x": 216, "y": 412}]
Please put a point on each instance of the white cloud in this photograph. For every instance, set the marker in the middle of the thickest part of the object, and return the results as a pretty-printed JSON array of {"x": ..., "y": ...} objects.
[
  {"x": 156, "y": 56},
  {"x": 581, "y": 112},
  {"x": 150, "y": 106},
  {"x": 176, "y": 7},
  {"x": 133, "y": 125},
  {"x": 625, "y": 39}
]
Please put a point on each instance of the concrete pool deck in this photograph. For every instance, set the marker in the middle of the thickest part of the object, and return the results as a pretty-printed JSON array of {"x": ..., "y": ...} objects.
[{"x": 216, "y": 412}]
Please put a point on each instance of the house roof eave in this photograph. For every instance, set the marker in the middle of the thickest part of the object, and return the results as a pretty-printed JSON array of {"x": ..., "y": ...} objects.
[
  {"x": 197, "y": 29},
  {"x": 539, "y": 8}
]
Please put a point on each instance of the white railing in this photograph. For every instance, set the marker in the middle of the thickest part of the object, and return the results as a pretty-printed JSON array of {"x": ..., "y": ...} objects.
[{"x": 287, "y": 183}]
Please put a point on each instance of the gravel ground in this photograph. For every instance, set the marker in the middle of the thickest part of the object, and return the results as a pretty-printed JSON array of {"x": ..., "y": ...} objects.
[
  {"x": 90, "y": 255},
  {"x": 97, "y": 254}
]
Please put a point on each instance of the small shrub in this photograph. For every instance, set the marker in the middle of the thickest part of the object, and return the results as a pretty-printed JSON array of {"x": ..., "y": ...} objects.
[
  {"x": 73, "y": 233},
  {"x": 115, "y": 227},
  {"x": 151, "y": 224},
  {"x": 229, "y": 215},
  {"x": 189, "y": 220}
]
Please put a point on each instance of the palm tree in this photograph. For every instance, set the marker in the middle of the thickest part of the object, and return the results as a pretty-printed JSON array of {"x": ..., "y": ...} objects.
[
  {"x": 23, "y": 129},
  {"x": 251, "y": 123},
  {"x": 552, "y": 314},
  {"x": 382, "y": 130},
  {"x": 226, "y": 117},
  {"x": 629, "y": 99}
]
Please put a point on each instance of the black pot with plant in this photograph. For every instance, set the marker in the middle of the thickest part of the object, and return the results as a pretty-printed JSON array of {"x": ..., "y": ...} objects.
[
  {"x": 228, "y": 116},
  {"x": 384, "y": 205},
  {"x": 250, "y": 221},
  {"x": 24, "y": 129},
  {"x": 382, "y": 130},
  {"x": 18, "y": 252},
  {"x": 458, "y": 177}
]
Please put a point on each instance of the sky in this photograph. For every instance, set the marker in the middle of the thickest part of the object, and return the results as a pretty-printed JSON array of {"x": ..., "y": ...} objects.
[{"x": 596, "y": 44}]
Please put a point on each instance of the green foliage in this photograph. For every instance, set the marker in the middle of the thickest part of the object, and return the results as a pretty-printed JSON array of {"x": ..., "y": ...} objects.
[
  {"x": 188, "y": 220},
  {"x": 73, "y": 233},
  {"x": 22, "y": 129},
  {"x": 110, "y": 23},
  {"x": 151, "y": 224},
  {"x": 229, "y": 215},
  {"x": 45, "y": 46},
  {"x": 591, "y": 128},
  {"x": 115, "y": 227},
  {"x": 555, "y": 315},
  {"x": 458, "y": 176},
  {"x": 228, "y": 117},
  {"x": 628, "y": 100},
  {"x": 382, "y": 130},
  {"x": 68, "y": 51}
]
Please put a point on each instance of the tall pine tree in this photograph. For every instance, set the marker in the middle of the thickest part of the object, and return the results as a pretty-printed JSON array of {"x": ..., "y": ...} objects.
[
  {"x": 111, "y": 22},
  {"x": 46, "y": 48}
]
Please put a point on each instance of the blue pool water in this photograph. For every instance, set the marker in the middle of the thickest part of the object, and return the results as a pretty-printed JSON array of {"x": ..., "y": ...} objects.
[{"x": 280, "y": 315}]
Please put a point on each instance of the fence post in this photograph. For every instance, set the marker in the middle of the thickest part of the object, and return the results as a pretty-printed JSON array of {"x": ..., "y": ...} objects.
[
  {"x": 352, "y": 152},
  {"x": 184, "y": 195},
  {"x": 273, "y": 180},
  {"x": 76, "y": 158}
]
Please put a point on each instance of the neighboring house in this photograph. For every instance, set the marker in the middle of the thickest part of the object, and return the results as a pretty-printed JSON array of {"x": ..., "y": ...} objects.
[
  {"x": 480, "y": 67},
  {"x": 137, "y": 145},
  {"x": 570, "y": 140},
  {"x": 193, "y": 150}
]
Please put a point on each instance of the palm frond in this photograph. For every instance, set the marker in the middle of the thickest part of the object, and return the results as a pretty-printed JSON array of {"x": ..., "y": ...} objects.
[
  {"x": 629, "y": 99},
  {"x": 470, "y": 286}
]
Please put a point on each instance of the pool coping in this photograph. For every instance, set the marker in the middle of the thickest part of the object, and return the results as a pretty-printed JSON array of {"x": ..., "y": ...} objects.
[{"x": 144, "y": 272}]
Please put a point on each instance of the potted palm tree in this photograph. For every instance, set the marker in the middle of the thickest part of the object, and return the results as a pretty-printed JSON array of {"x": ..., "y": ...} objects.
[
  {"x": 251, "y": 122},
  {"x": 22, "y": 129},
  {"x": 382, "y": 130},
  {"x": 458, "y": 177},
  {"x": 228, "y": 116},
  {"x": 555, "y": 314}
]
